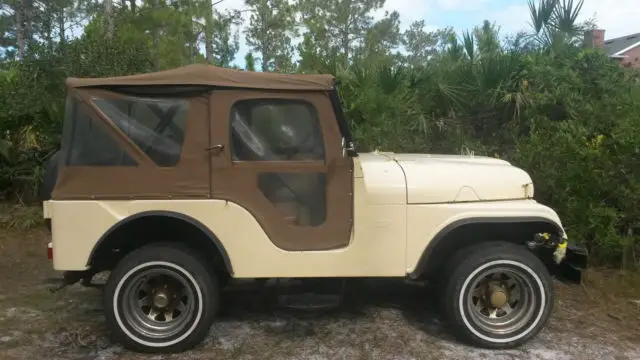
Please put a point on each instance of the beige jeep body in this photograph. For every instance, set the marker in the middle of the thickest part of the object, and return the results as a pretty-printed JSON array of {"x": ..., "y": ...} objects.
[
  {"x": 256, "y": 172},
  {"x": 395, "y": 218}
]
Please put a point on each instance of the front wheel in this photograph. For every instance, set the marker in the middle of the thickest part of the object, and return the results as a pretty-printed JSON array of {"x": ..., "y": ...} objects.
[
  {"x": 160, "y": 299},
  {"x": 499, "y": 295}
]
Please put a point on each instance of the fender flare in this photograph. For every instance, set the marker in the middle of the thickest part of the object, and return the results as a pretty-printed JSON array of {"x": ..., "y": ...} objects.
[
  {"x": 170, "y": 214},
  {"x": 423, "y": 262}
]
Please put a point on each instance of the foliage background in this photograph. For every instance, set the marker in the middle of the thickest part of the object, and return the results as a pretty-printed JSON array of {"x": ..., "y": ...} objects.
[{"x": 562, "y": 111}]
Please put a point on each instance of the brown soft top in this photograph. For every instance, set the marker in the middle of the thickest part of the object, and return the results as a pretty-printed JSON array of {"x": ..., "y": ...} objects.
[{"x": 209, "y": 75}]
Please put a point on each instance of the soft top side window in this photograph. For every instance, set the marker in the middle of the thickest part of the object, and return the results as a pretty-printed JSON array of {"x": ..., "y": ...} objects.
[
  {"x": 156, "y": 126},
  {"x": 86, "y": 142},
  {"x": 275, "y": 130}
]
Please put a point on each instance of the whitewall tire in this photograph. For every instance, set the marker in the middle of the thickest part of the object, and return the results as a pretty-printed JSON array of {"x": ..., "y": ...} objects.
[
  {"x": 499, "y": 295},
  {"x": 160, "y": 299}
]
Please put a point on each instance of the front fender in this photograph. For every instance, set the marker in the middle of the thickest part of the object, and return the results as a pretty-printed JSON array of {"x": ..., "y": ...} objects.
[{"x": 436, "y": 231}]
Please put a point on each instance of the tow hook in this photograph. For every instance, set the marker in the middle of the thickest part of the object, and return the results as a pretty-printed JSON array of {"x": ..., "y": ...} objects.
[
  {"x": 565, "y": 260},
  {"x": 555, "y": 242}
]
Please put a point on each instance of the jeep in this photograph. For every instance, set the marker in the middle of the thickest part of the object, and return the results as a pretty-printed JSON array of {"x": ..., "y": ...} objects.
[{"x": 178, "y": 181}]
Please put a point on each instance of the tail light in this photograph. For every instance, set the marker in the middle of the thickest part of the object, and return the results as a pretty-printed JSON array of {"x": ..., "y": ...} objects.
[{"x": 50, "y": 251}]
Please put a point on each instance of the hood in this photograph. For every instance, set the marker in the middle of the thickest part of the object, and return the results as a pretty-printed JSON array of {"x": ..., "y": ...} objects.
[{"x": 459, "y": 178}]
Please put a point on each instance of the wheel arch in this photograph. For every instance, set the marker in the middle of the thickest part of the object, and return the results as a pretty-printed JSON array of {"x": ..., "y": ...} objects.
[
  {"x": 468, "y": 231},
  {"x": 117, "y": 235}
]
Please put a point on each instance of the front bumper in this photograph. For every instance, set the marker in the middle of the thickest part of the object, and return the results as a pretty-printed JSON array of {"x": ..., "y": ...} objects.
[
  {"x": 565, "y": 261},
  {"x": 571, "y": 268}
]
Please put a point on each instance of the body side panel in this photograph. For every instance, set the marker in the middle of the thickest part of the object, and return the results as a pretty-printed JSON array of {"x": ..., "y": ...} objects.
[
  {"x": 377, "y": 246},
  {"x": 425, "y": 222}
]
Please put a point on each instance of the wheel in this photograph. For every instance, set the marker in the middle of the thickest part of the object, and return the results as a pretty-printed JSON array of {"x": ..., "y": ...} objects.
[
  {"x": 499, "y": 295},
  {"x": 160, "y": 299}
]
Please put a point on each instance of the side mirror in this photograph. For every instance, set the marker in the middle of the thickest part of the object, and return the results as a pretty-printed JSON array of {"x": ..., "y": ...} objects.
[{"x": 348, "y": 149}]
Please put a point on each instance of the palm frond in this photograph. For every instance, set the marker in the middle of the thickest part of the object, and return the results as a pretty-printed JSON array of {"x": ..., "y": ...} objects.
[
  {"x": 542, "y": 14},
  {"x": 469, "y": 44},
  {"x": 565, "y": 16}
]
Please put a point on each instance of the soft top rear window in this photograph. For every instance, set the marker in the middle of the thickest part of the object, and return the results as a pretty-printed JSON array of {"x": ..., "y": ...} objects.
[
  {"x": 86, "y": 140},
  {"x": 155, "y": 125}
]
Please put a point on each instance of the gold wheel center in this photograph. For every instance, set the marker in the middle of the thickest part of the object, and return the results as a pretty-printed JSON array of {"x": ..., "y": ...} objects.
[{"x": 498, "y": 298}]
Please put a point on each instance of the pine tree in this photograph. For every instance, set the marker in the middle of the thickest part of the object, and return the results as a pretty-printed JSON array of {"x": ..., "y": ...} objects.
[{"x": 271, "y": 27}]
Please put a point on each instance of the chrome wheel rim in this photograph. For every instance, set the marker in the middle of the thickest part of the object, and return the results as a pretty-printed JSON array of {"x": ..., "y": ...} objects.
[
  {"x": 501, "y": 300},
  {"x": 158, "y": 303}
]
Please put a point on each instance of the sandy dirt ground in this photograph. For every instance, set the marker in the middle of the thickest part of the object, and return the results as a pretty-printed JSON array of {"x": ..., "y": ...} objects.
[{"x": 380, "y": 319}]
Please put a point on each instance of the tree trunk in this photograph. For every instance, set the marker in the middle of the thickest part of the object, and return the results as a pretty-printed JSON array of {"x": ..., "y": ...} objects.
[
  {"x": 345, "y": 40},
  {"x": 61, "y": 23},
  {"x": 108, "y": 16},
  {"x": 628, "y": 250},
  {"x": 156, "y": 60},
  {"x": 265, "y": 46},
  {"x": 156, "y": 40},
  {"x": 47, "y": 24},
  {"x": 28, "y": 21},
  {"x": 19, "y": 18},
  {"x": 345, "y": 48},
  {"x": 133, "y": 6},
  {"x": 208, "y": 32}
]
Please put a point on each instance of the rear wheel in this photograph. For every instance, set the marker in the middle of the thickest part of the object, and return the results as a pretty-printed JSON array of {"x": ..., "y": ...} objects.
[
  {"x": 499, "y": 295},
  {"x": 160, "y": 298}
]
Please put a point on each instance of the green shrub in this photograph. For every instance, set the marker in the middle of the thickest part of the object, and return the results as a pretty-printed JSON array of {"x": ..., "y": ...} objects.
[{"x": 570, "y": 118}]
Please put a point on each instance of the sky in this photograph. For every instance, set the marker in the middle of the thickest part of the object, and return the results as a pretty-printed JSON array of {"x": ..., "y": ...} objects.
[{"x": 617, "y": 17}]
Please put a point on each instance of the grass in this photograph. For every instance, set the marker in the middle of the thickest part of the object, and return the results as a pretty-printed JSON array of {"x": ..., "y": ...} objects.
[
  {"x": 20, "y": 217},
  {"x": 608, "y": 299}
]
